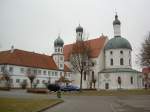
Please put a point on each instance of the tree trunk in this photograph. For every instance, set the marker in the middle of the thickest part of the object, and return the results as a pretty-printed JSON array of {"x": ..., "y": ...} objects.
[
  {"x": 31, "y": 83},
  {"x": 120, "y": 86},
  {"x": 81, "y": 82}
]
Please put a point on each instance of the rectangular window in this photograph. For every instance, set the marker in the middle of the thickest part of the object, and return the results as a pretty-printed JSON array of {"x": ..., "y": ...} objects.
[
  {"x": 22, "y": 70},
  {"x": 37, "y": 81},
  {"x": 43, "y": 81},
  {"x": 39, "y": 71},
  {"x": 17, "y": 80},
  {"x": 61, "y": 58},
  {"x": 10, "y": 69},
  {"x": 52, "y": 73},
  {"x": 34, "y": 71},
  {"x": 61, "y": 74},
  {"x": 11, "y": 80},
  {"x": 49, "y": 72},
  {"x": 61, "y": 65},
  {"x": 2, "y": 68},
  {"x": 55, "y": 73},
  {"x": 68, "y": 74},
  {"x": 25, "y": 81},
  {"x": 28, "y": 70},
  {"x": 44, "y": 72}
]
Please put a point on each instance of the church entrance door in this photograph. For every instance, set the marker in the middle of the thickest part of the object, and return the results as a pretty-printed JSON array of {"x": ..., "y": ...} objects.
[{"x": 106, "y": 85}]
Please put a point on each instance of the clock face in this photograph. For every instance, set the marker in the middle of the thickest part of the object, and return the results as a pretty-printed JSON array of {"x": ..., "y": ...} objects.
[{"x": 106, "y": 75}]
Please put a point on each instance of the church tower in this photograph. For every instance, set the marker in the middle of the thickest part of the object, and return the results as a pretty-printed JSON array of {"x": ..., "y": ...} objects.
[
  {"x": 79, "y": 33},
  {"x": 58, "y": 54},
  {"x": 117, "y": 27}
]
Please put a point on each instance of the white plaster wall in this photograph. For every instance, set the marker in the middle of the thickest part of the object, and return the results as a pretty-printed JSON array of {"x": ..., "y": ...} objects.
[
  {"x": 116, "y": 58},
  {"x": 58, "y": 61},
  {"x": 17, "y": 74},
  {"x": 125, "y": 80}
]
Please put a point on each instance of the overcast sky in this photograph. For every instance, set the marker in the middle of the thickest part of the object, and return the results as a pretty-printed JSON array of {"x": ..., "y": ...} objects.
[{"x": 33, "y": 25}]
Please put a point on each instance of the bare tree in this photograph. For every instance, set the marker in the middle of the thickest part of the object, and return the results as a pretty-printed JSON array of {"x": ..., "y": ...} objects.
[
  {"x": 6, "y": 76},
  {"x": 31, "y": 74},
  {"x": 80, "y": 58},
  {"x": 145, "y": 52}
]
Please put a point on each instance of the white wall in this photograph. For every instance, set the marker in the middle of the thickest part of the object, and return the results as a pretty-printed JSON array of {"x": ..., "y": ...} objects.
[
  {"x": 112, "y": 79},
  {"x": 17, "y": 74},
  {"x": 116, "y": 58}
]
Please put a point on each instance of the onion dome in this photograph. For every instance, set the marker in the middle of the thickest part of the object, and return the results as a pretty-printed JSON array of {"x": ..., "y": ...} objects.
[
  {"x": 118, "y": 43},
  {"x": 116, "y": 21},
  {"x": 79, "y": 29},
  {"x": 58, "y": 42}
]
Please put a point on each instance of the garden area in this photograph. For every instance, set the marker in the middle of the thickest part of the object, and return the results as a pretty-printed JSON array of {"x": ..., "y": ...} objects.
[{"x": 26, "y": 104}]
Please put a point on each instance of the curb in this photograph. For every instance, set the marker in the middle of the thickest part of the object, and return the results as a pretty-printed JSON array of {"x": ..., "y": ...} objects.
[{"x": 43, "y": 109}]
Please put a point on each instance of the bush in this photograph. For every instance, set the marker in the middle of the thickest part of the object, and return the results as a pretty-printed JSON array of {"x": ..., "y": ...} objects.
[
  {"x": 37, "y": 90},
  {"x": 5, "y": 88}
]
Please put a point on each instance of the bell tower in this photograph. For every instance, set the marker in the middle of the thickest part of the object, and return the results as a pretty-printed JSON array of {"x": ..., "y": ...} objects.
[
  {"x": 58, "y": 54},
  {"x": 79, "y": 33}
]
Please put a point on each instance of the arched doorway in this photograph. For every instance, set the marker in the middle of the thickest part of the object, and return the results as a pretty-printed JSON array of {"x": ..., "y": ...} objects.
[{"x": 106, "y": 85}]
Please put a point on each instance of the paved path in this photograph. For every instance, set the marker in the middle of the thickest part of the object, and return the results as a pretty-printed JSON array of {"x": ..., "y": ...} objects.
[
  {"x": 137, "y": 103},
  {"x": 103, "y": 104}
]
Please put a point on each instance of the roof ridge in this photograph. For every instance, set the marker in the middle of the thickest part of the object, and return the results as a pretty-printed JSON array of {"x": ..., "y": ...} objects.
[{"x": 100, "y": 37}]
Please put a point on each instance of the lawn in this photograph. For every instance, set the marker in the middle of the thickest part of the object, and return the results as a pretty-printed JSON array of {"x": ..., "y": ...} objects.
[
  {"x": 25, "y": 105},
  {"x": 108, "y": 93}
]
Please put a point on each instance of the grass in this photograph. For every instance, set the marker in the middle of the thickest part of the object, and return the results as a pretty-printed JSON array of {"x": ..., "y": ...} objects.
[
  {"x": 108, "y": 93},
  {"x": 25, "y": 105}
]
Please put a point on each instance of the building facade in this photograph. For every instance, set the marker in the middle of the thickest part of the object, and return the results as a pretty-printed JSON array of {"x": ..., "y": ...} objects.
[
  {"x": 20, "y": 64},
  {"x": 112, "y": 67}
]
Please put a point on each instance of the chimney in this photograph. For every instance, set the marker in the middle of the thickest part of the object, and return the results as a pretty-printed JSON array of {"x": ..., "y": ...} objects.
[{"x": 12, "y": 49}]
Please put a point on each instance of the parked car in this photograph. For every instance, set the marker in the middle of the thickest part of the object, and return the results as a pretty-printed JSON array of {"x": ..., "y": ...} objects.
[
  {"x": 53, "y": 87},
  {"x": 69, "y": 88}
]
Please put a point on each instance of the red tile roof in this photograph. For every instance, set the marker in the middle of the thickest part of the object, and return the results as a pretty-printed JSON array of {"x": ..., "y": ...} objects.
[
  {"x": 28, "y": 59},
  {"x": 96, "y": 45},
  {"x": 66, "y": 69},
  {"x": 146, "y": 70}
]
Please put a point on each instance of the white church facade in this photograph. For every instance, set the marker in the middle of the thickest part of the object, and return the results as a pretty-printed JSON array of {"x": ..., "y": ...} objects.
[
  {"x": 112, "y": 67},
  {"x": 111, "y": 63}
]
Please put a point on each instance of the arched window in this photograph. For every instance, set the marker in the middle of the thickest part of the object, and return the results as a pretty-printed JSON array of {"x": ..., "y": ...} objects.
[
  {"x": 121, "y": 52},
  {"x": 55, "y": 50},
  {"x": 131, "y": 80},
  {"x": 92, "y": 75},
  {"x": 121, "y": 61},
  {"x": 119, "y": 80},
  {"x": 129, "y": 61},
  {"x": 58, "y": 49},
  {"x": 79, "y": 34},
  {"x": 111, "y": 62},
  {"x": 111, "y": 52},
  {"x": 85, "y": 75}
]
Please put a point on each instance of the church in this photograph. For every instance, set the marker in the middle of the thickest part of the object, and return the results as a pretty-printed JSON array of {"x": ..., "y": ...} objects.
[{"x": 111, "y": 64}]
